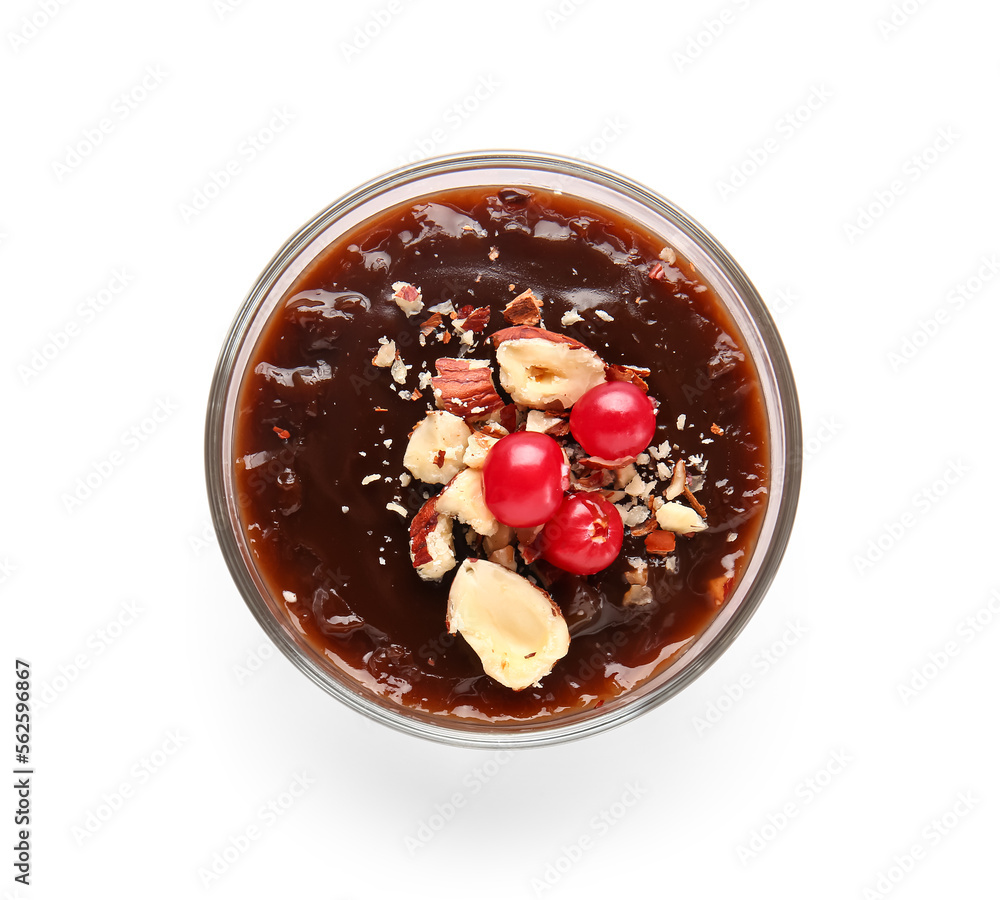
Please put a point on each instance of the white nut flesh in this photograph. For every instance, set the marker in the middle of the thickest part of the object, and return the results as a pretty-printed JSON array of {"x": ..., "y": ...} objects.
[
  {"x": 463, "y": 499},
  {"x": 431, "y": 542},
  {"x": 478, "y": 446},
  {"x": 546, "y": 375},
  {"x": 679, "y": 518},
  {"x": 408, "y": 297},
  {"x": 436, "y": 451},
  {"x": 512, "y": 625}
]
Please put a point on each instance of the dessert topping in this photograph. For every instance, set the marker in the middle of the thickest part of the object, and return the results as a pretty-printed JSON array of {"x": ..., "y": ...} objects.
[
  {"x": 524, "y": 309},
  {"x": 513, "y": 626},
  {"x": 545, "y": 370},
  {"x": 524, "y": 477},
  {"x": 432, "y": 547},
  {"x": 584, "y": 536},
  {"x": 613, "y": 420},
  {"x": 436, "y": 450},
  {"x": 464, "y": 387},
  {"x": 407, "y": 297}
]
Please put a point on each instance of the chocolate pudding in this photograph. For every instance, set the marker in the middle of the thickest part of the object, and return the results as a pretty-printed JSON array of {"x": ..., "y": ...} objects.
[{"x": 324, "y": 422}]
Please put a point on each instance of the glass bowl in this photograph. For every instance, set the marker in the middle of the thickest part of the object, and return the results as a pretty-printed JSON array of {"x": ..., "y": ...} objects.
[{"x": 651, "y": 212}]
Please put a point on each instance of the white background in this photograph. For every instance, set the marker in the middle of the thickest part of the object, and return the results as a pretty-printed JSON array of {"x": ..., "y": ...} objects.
[{"x": 180, "y": 715}]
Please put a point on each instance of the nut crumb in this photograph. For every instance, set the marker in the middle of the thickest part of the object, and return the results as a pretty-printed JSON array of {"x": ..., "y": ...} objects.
[
  {"x": 430, "y": 323},
  {"x": 393, "y": 506},
  {"x": 494, "y": 254},
  {"x": 606, "y": 316},
  {"x": 368, "y": 479},
  {"x": 386, "y": 354},
  {"x": 660, "y": 543},
  {"x": 698, "y": 508},
  {"x": 524, "y": 309},
  {"x": 668, "y": 255},
  {"x": 407, "y": 297},
  {"x": 716, "y": 429},
  {"x": 681, "y": 420},
  {"x": 571, "y": 318},
  {"x": 345, "y": 509}
]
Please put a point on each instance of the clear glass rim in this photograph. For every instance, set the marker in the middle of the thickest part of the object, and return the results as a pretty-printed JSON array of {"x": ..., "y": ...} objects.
[{"x": 786, "y": 457}]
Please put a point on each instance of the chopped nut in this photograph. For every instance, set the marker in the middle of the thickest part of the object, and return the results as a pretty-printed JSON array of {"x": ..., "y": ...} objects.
[
  {"x": 656, "y": 273},
  {"x": 474, "y": 321},
  {"x": 464, "y": 387},
  {"x": 432, "y": 547},
  {"x": 635, "y": 487},
  {"x": 386, "y": 354},
  {"x": 504, "y": 557},
  {"x": 512, "y": 625},
  {"x": 539, "y": 421},
  {"x": 527, "y": 535},
  {"x": 635, "y": 516},
  {"x": 396, "y": 508},
  {"x": 605, "y": 316},
  {"x": 497, "y": 429},
  {"x": 698, "y": 508},
  {"x": 543, "y": 369},
  {"x": 638, "y": 570},
  {"x": 645, "y": 528},
  {"x": 638, "y": 595},
  {"x": 494, "y": 254},
  {"x": 597, "y": 462},
  {"x": 462, "y": 498},
  {"x": 502, "y": 537},
  {"x": 634, "y": 374},
  {"x": 681, "y": 419},
  {"x": 668, "y": 255},
  {"x": 660, "y": 543},
  {"x": 718, "y": 588},
  {"x": 679, "y": 518},
  {"x": 678, "y": 482},
  {"x": 368, "y": 479},
  {"x": 508, "y": 418},
  {"x": 526, "y": 543},
  {"x": 595, "y": 481},
  {"x": 445, "y": 308},
  {"x": 571, "y": 318},
  {"x": 407, "y": 297},
  {"x": 624, "y": 475},
  {"x": 716, "y": 429},
  {"x": 432, "y": 322},
  {"x": 477, "y": 447},
  {"x": 524, "y": 309},
  {"x": 437, "y": 447},
  {"x": 398, "y": 371}
]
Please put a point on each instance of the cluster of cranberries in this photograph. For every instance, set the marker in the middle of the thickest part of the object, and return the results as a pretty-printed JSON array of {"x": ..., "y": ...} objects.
[{"x": 525, "y": 479}]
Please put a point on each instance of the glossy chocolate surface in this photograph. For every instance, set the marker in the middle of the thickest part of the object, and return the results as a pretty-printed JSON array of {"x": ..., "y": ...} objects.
[{"x": 322, "y": 537}]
